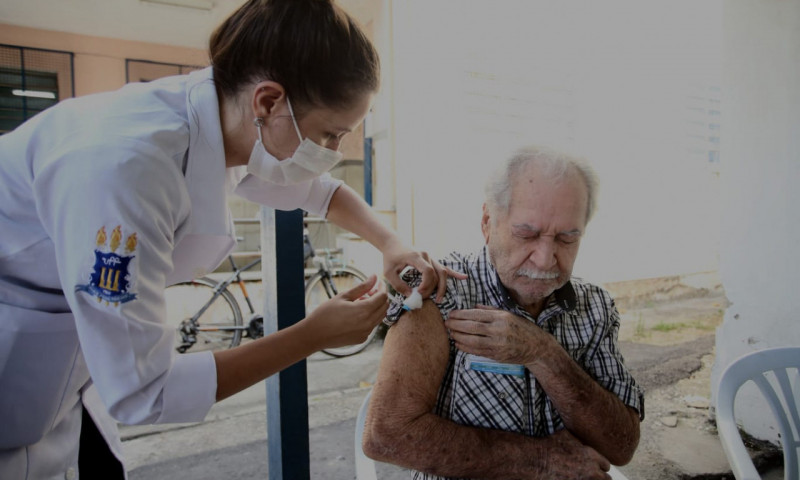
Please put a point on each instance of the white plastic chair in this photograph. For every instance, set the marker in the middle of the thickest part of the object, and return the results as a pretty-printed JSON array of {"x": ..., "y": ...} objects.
[
  {"x": 365, "y": 466},
  {"x": 782, "y": 398}
]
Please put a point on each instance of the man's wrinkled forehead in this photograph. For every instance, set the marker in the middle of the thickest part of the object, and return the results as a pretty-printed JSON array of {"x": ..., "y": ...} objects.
[{"x": 533, "y": 178}]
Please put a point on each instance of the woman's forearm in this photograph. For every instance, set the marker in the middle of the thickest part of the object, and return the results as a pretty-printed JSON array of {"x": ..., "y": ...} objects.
[
  {"x": 345, "y": 319},
  {"x": 351, "y": 212},
  {"x": 246, "y": 365}
]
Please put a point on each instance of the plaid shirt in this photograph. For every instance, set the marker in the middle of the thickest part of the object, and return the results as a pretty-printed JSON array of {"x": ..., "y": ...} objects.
[{"x": 582, "y": 318}]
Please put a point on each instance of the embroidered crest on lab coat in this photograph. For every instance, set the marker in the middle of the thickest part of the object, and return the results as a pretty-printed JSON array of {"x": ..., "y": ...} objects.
[{"x": 110, "y": 279}]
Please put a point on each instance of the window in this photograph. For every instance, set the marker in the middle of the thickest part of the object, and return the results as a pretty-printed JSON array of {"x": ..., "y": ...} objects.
[
  {"x": 31, "y": 80},
  {"x": 145, "y": 70}
]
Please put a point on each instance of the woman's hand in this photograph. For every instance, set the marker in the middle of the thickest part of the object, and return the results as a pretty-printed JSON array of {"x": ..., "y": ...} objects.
[
  {"x": 343, "y": 320},
  {"x": 397, "y": 257},
  {"x": 350, "y": 316},
  {"x": 349, "y": 211}
]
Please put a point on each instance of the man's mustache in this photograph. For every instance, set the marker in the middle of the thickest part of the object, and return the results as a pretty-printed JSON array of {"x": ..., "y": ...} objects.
[{"x": 537, "y": 274}]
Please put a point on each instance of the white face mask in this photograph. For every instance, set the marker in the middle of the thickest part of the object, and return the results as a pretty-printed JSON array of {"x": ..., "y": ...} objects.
[{"x": 309, "y": 161}]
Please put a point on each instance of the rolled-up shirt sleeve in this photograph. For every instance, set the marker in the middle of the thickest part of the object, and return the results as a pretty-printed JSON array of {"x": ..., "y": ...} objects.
[
  {"x": 605, "y": 362},
  {"x": 413, "y": 278},
  {"x": 189, "y": 378},
  {"x": 112, "y": 212}
]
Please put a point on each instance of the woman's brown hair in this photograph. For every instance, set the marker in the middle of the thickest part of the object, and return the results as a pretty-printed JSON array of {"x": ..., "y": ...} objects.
[{"x": 312, "y": 48}]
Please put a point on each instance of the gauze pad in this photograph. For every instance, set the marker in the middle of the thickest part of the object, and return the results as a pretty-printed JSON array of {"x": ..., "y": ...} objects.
[{"x": 414, "y": 301}]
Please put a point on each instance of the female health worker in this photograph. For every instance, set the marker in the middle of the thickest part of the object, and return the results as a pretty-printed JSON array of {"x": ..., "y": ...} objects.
[{"x": 109, "y": 198}]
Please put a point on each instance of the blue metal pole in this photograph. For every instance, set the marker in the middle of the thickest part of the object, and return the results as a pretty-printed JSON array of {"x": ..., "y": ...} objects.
[
  {"x": 287, "y": 391},
  {"x": 368, "y": 170}
]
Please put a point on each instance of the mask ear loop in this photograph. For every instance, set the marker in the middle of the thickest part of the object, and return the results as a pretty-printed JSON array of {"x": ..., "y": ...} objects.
[
  {"x": 259, "y": 122},
  {"x": 294, "y": 121}
]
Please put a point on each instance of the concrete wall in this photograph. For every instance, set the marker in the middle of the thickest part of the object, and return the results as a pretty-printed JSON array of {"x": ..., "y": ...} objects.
[
  {"x": 761, "y": 147},
  {"x": 578, "y": 76}
]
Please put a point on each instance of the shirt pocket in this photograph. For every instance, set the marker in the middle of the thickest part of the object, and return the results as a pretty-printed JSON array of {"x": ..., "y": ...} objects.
[{"x": 486, "y": 399}]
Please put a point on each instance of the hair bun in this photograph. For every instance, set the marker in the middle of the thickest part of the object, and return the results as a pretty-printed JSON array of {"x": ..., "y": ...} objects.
[
  {"x": 300, "y": 2},
  {"x": 313, "y": 48}
]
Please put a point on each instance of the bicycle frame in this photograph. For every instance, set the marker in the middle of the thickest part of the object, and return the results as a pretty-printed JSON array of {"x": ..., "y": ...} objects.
[
  {"x": 324, "y": 269},
  {"x": 219, "y": 288},
  {"x": 238, "y": 278}
]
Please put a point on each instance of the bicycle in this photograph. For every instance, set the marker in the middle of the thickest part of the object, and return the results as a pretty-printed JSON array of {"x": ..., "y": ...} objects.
[{"x": 218, "y": 324}]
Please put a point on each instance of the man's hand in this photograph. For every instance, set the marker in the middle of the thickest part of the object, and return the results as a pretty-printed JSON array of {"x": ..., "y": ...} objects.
[
  {"x": 596, "y": 416},
  {"x": 568, "y": 459},
  {"x": 497, "y": 334}
]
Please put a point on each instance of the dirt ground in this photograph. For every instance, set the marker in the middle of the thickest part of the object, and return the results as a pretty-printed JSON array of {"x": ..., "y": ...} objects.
[
  {"x": 670, "y": 322},
  {"x": 667, "y": 339}
]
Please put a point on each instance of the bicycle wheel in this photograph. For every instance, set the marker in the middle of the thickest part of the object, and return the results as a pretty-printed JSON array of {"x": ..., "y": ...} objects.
[
  {"x": 216, "y": 325},
  {"x": 320, "y": 289}
]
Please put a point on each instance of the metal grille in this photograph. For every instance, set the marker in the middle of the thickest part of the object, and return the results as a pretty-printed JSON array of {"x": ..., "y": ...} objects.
[
  {"x": 31, "y": 80},
  {"x": 146, "y": 70}
]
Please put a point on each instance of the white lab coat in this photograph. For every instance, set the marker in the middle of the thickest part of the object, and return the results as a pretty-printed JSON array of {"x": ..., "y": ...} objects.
[{"x": 107, "y": 199}]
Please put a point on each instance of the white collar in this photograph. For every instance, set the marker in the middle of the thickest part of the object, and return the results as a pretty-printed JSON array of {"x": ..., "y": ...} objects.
[{"x": 205, "y": 174}]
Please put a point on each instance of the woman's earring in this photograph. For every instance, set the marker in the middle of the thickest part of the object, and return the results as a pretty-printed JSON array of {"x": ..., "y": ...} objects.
[{"x": 259, "y": 122}]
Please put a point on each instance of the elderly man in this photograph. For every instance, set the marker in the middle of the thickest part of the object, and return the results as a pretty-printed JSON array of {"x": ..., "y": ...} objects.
[{"x": 530, "y": 382}]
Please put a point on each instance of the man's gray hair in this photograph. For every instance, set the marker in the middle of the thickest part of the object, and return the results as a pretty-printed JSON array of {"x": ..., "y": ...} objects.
[{"x": 551, "y": 163}]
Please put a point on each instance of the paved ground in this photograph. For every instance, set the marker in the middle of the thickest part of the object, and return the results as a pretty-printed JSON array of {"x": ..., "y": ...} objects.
[
  {"x": 678, "y": 439},
  {"x": 232, "y": 442}
]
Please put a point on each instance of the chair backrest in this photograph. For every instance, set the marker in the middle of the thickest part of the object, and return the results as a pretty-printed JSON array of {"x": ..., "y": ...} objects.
[
  {"x": 365, "y": 466},
  {"x": 782, "y": 393}
]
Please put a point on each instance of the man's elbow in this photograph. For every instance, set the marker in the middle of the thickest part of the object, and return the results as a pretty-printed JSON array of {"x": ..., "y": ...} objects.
[
  {"x": 380, "y": 440},
  {"x": 621, "y": 457},
  {"x": 623, "y": 450},
  {"x": 373, "y": 447}
]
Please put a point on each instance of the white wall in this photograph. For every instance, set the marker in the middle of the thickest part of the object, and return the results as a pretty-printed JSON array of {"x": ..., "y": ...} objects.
[
  {"x": 759, "y": 260},
  {"x": 610, "y": 79}
]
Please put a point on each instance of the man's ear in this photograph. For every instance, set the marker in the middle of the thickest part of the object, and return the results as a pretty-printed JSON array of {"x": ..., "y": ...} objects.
[
  {"x": 266, "y": 96},
  {"x": 486, "y": 223}
]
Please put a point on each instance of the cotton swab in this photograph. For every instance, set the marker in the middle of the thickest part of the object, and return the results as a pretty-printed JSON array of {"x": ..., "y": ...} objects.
[{"x": 414, "y": 301}]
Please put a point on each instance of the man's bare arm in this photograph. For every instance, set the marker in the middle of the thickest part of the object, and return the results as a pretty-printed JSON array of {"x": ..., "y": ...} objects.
[
  {"x": 593, "y": 414},
  {"x": 401, "y": 428}
]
